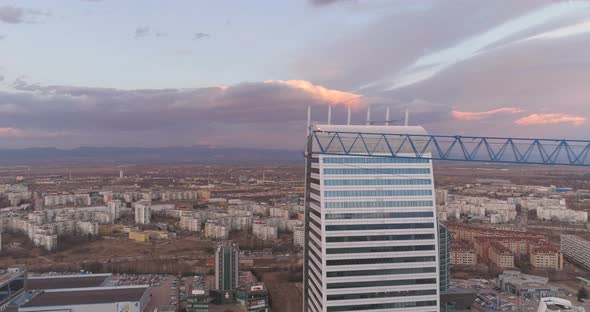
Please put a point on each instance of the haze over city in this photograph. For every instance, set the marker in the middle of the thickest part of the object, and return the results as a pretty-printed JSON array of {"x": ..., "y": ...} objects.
[
  {"x": 294, "y": 155},
  {"x": 226, "y": 73}
]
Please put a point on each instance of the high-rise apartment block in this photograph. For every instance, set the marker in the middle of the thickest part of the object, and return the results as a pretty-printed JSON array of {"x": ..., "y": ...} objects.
[
  {"x": 371, "y": 228},
  {"x": 227, "y": 260},
  {"x": 143, "y": 212},
  {"x": 576, "y": 249},
  {"x": 114, "y": 209}
]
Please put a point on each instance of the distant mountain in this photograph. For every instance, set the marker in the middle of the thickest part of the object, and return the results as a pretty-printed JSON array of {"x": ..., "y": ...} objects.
[{"x": 194, "y": 154}]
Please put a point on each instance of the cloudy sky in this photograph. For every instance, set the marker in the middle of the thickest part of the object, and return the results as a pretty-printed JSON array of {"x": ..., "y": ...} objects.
[{"x": 241, "y": 73}]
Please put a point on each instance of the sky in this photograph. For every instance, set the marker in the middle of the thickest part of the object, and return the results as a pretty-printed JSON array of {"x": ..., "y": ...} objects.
[{"x": 153, "y": 73}]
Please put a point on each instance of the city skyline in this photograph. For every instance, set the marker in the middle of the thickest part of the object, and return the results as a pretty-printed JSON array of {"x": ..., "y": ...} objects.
[{"x": 225, "y": 74}]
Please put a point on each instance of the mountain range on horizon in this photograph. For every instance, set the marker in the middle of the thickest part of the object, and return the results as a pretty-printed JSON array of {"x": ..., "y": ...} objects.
[{"x": 191, "y": 154}]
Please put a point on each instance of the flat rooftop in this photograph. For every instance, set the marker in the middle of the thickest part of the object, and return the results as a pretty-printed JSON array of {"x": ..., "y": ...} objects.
[
  {"x": 8, "y": 275},
  {"x": 87, "y": 296},
  {"x": 66, "y": 281}
]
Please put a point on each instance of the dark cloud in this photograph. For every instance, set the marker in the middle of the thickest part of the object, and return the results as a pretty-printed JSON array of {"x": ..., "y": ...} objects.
[
  {"x": 201, "y": 35},
  {"x": 11, "y": 14},
  {"x": 141, "y": 32},
  {"x": 237, "y": 114},
  {"x": 15, "y": 15},
  {"x": 2, "y": 37},
  {"x": 326, "y": 2}
]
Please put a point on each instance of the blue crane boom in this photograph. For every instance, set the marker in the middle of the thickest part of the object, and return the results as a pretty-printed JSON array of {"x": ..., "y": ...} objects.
[{"x": 539, "y": 151}]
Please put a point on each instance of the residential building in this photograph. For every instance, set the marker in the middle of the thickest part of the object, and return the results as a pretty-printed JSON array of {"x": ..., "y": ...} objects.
[
  {"x": 501, "y": 256},
  {"x": 299, "y": 236},
  {"x": 143, "y": 212},
  {"x": 114, "y": 209},
  {"x": 463, "y": 253},
  {"x": 264, "y": 231},
  {"x": 547, "y": 257},
  {"x": 215, "y": 230},
  {"x": 371, "y": 228},
  {"x": 576, "y": 249},
  {"x": 227, "y": 260}
]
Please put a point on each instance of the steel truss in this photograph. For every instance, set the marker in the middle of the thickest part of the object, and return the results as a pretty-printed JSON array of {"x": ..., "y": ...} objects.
[{"x": 454, "y": 148}]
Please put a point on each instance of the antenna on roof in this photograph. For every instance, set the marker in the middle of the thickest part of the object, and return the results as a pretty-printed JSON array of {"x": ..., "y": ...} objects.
[
  {"x": 406, "y": 120},
  {"x": 387, "y": 116},
  {"x": 349, "y": 116},
  {"x": 308, "y": 119}
]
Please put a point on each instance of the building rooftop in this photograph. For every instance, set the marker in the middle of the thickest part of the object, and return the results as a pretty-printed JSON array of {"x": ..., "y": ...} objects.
[
  {"x": 546, "y": 249},
  {"x": 501, "y": 249},
  {"x": 66, "y": 281},
  {"x": 9, "y": 274},
  {"x": 83, "y": 296}
]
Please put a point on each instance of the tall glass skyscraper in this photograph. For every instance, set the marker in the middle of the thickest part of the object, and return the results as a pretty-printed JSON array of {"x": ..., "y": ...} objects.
[{"x": 371, "y": 229}]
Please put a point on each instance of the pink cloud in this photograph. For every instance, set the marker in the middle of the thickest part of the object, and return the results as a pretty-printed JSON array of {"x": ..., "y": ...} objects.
[
  {"x": 10, "y": 132},
  {"x": 480, "y": 115},
  {"x": 549, "y": 119},
  {"x": 320, "y": 93},
  {"x": 20, "y": 133}
]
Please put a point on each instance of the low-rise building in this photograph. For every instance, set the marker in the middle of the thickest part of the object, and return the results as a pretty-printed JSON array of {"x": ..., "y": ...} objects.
[
  {"x": 139, "y": 236},
  {"x": 463, "y": 253},
  {"x": 525, "y": 285},
  {"x": 547, "y": 257},
  {"x": 90, "y": 299},
  {"x": 501, "y": 256},
  {"x": 254, "y": 297}
]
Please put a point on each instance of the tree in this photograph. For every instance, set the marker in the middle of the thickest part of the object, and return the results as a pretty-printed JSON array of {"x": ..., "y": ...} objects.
[{"x": 583, "y": 293}]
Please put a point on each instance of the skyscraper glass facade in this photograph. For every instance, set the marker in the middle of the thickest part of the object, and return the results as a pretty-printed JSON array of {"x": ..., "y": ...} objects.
[{"x": 371, "y": 234}]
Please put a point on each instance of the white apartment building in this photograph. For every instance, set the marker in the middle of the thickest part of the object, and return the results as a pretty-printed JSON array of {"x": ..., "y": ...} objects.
[
  {"x": 264, "y": 231},
  {"x": 190, "y": 223},
  {"x": 67, "y": 199},
  {"x": 299, "y": 236},
  {"x": 576, "y": 249},
  {"x": 114, "y": 209},
  {"x": 371, "y": 229},
  {"x": 561, "y": 214},
  {"x": 143, "y": 212},
  {"x": 216, "y": 231}
]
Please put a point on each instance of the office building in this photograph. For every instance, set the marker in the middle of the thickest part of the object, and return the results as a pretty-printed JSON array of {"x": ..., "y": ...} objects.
[
  {"x": 227, "y": 260},
  {"x": 576, "y": 249},
  {"x": 371, "y": 228},
  {"x": 254, "y": 297},
  {"x": 444, "y": 249}
]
